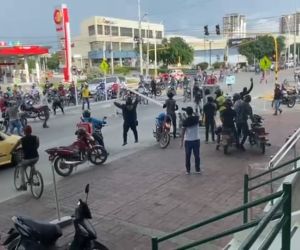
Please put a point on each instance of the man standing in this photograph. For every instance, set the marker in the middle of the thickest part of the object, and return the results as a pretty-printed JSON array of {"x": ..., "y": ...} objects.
[
  {"x": 171, "y": 106},
  {"x": 45, "y": 105},
  {"x": 85, "y": 93},
  {"x": 57, "y": 102},
  {"x": 210, "y": 111},
  {"x": 277, "y": 99},
  {"x": 14, "y": 117},
  {"x": 30, "y": 144},
  {"x": 191, "y": 139},
  {"x": 197, "y": 92},
  {"x": 153, "y": 87},
  {"x": 129, "y": 117}
]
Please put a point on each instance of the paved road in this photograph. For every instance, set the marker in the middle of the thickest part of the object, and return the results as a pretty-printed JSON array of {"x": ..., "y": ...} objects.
[{"x": 61, "y": 131}]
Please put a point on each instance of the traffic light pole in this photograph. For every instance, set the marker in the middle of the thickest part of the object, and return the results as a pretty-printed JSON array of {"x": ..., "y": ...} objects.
[{"x": 140, "y": 38}]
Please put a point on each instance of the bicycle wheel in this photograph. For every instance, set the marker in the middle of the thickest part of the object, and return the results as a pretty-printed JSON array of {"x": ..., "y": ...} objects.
[
  {"x": 36, "y": 184},
  {"x": 17, "y": 179}
]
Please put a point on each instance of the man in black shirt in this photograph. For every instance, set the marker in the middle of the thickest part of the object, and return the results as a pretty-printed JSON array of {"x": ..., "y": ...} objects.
[
  {"x": 171, "y": 107},
  {"x": 228, "y": 117},
  {"x": 209, "y": 111},
  {"x": 129, "y": 117},
  {"x": 30, "y": 144}
]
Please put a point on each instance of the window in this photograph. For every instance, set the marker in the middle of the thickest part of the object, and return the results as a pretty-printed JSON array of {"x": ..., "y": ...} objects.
[
  {"x": 159, "y": 34},
  {"x": 126, "y": 46},
  {"x": 99, "y": 29},
  {"x": 126, "y": 32},
  {"x": 136, "y": 32},
  {"x": 96, "y": 46},
  {"x": 114, "y": 31},
  {"x": 150, "y": 33},
  {"x": 92, "y": 30},
  {"x": 106, "y": 30},
  {"x": 143, "y": 34}
]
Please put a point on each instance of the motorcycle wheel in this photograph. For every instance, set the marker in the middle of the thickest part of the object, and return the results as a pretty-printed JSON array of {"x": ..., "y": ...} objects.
[
  {"x": 61, "y": 168},
  {"x": 291, "y": 102},
  {"x": 98, "y": 155},
  {"x": 41, "y": 115},
  {"x": 158, "y": 92},
  {"x": 164, "y": 140},
  {"x": 263, "y": 148}
]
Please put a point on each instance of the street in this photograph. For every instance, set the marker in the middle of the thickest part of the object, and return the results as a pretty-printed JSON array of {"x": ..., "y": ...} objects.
[{"x": 62, "y": 129}]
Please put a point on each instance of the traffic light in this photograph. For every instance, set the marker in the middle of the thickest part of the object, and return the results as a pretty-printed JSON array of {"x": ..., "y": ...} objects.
[
  {"x": 218, "y": 29},
  {"x": 206, "y": 30}
]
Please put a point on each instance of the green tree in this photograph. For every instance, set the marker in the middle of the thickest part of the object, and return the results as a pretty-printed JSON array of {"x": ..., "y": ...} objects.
[
  {"x": 53, "y": 61},
  {"x": 260, "y": 47}
]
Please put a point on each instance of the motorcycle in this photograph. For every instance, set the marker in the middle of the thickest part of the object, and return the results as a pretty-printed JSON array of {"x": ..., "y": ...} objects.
[
  {"x": 289, "y": 98},
  {"x": 172, "y": 89},
  {"x": 162, "y": 130},
  {"x": 29, "y": 234},
  {"x": 144, "y": 91},
  {"x": 32, "y": 112},
  {"x": 84, "y": 149},
  {"x": 257, "y": 134}
]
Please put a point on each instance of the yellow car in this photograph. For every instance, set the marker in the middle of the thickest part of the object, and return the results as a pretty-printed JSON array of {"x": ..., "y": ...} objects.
[{"x": 7, "y": 147}]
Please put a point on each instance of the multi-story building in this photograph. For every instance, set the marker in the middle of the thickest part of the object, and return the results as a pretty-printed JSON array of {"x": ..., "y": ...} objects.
[
  {"x": 288, "y": 22},
  {"x": 234, "y": 26},
  {"x": 105, "y": 37}
]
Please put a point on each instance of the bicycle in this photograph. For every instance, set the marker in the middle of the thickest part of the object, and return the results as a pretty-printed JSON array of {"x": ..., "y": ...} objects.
[{"x": 33, "y": 179}]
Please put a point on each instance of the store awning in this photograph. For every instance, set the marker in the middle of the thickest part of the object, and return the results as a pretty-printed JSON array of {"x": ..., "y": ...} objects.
[{"x": 20, "y": 51}]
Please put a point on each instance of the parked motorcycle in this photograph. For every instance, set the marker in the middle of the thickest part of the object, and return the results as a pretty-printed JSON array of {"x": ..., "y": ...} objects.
[
  {"x": 29, "y": 234},
  {"x": 162, "y": 130},
  {"x": 257, "y": 134},
  {"x": 31, "y": 111},
  {"x": 289, "y": 98},
  {"x": 84, "y": 149}
]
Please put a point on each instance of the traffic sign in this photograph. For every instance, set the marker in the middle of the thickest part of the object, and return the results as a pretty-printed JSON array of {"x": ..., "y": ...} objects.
[{"x": 265, "y": 63}]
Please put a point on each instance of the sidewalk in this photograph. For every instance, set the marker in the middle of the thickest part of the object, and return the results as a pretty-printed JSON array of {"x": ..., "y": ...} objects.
[{"x": 148, "y": 194}]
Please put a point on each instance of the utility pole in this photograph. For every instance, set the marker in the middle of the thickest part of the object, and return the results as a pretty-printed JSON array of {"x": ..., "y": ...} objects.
[
  {"x": 295, "y": 33},
  {"x": 148, "y": 59},
  {"x": 140, "y": 37},
  {"x": 111, "y": 50},
  {"x": 155, "y": 54}
]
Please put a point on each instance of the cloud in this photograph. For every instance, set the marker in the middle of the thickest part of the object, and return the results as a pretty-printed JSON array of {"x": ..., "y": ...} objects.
[{"x": 263, "y": 26}]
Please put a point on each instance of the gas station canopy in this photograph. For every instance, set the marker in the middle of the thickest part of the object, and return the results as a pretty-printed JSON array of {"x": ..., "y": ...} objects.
[{"x": 21, "y": 51}]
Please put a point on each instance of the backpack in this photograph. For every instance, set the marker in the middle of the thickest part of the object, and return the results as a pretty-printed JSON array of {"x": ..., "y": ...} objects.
[{"x": 87, "y": 126}]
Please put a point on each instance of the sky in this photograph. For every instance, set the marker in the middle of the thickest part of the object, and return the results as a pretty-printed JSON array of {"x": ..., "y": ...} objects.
[{"x": 30, "y": 21}]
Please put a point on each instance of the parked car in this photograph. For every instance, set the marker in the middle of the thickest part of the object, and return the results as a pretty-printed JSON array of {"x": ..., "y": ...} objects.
[{"x": 7, "y": 149}]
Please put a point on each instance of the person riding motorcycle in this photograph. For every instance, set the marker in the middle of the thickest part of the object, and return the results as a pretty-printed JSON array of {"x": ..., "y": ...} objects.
[
  {"x": 86, "y": 117},
  {"x": 171, "y": 107}
]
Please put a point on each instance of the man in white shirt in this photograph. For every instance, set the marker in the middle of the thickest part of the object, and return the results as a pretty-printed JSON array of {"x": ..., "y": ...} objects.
[{"x": 191, "y": 138}]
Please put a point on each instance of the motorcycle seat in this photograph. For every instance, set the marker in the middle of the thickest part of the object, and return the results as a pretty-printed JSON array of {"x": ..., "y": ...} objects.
[{"x": 47, "y": 233}]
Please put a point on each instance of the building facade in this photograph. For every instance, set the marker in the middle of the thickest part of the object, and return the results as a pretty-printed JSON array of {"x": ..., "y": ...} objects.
[
  {"x": 234, "y": 26},
  {"x": 290, "y": 24},
  {"x": 105, "y": 37}
]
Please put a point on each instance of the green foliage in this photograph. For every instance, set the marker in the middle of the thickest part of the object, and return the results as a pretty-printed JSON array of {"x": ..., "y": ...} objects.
[
  {"x": 218, "y": 65},
  {"x": 122, "y": 70},
  {"x": 262, "y": 46},
  {"x": 202, "y": 65},
  {"x": 53, "y": 62}
]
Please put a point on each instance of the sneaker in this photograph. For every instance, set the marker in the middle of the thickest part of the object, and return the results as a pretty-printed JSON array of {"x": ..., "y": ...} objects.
[
  {"x": 280, "y": 111},
  {"x": 198, "y": 172},
  {"x": 136, "y": 141},
  {"x": 187, "y": 173},
  {"x": 125, "y": 143}
]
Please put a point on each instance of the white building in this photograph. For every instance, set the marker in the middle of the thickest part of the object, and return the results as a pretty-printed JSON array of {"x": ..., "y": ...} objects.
[
  {"x": 101, "y": 36},
  {"x": 234, "y": 26}
]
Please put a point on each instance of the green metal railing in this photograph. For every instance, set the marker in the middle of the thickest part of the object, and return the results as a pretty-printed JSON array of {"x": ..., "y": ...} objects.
[
  {"x": 284, "y": 224},
  {"x": 247, "y": 180}
]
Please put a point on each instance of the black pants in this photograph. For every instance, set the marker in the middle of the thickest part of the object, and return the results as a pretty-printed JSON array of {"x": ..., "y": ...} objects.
[
  {"x": 98, "y": 138},
  {"x": 126, "y": 127},
  {"x": 85, "y": 100},
  {"x": 174, "y": 123},
  {"x": 47, "y": 115},
  {"x": 153, "y": 91},
  {"x": 243, "y": 128},
  {"x": 210, "y": 125},
  {"x": 189, "y": 147},
  {"x": 57, "y": 105}
]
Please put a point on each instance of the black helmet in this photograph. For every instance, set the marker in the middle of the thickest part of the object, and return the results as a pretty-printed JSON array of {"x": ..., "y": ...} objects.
[
  {"x": 247, "y": 98},
  {"x": 170, "y": 94},
  {"x": 218, "y": 92},
  {"x": 86, "y": 114},
  {"x": 236, "y": 97},
  {"x": 228, "y": 103},
  {"x": 210, "y": 99}
]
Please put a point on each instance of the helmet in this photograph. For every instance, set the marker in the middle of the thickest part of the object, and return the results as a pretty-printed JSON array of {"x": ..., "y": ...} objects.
[
  {"x": 228, "y": 103},
  {"x": 218, "y": 92},
  {"x": 236, "y": 97},
  {"x": 86, "y": 114},
  {"x": 170, "y": 94},
  {"x": 247, "y": 98}
]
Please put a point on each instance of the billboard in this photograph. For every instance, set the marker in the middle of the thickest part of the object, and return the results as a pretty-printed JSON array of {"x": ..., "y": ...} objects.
[{"x": 62, "y": 26}]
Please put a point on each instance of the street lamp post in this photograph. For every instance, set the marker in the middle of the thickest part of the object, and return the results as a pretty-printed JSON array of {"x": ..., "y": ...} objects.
[
  {"x": 289, "y": 30},
  {"x": 140, "y": 38},
  {"x": 155, "y": 54},
  {"x": 295, "y": 33},
  {"x": 111, "y": 50}
]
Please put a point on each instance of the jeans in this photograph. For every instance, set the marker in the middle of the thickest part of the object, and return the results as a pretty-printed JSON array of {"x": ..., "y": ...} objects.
[
  {"x": 85, "y": 100},
  {"x": 189, "y": 147},
  {"x": 126, "y": 127},
  {"x": 243, "y": 128},
  {"x": 15, "y": 124},
  {"x": 23, "y": 165},
  {"x": 210, "y": 125},
  {"x": 277, "y": 105}
]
